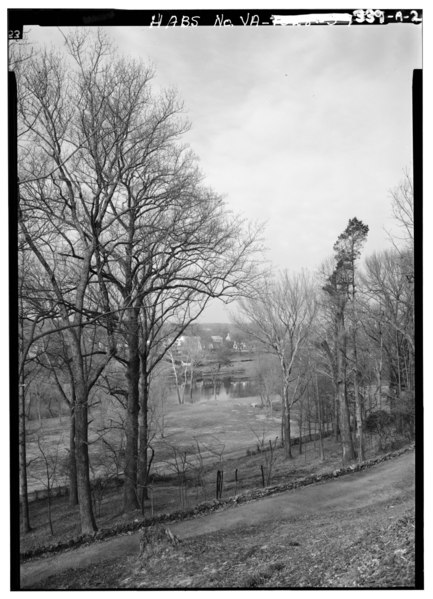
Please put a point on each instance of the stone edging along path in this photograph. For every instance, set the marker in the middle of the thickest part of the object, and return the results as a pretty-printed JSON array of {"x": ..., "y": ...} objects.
[{"x": 207, "y": 507}]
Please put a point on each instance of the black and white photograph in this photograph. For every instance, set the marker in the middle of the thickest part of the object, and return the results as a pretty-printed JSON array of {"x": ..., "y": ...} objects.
[{"x": 215, "y": 280}]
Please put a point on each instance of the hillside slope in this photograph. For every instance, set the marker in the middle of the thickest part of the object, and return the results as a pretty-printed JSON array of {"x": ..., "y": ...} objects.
[{"x": 353, "y": 531}]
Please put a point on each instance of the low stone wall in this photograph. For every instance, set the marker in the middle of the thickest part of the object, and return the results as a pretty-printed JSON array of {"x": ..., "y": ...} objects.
[
  {"x": 315, "y": 478},
  {"x": 63, "y": 490},
  {"x": 208, "y": 507},
  {"x": 38, "y": 494}
]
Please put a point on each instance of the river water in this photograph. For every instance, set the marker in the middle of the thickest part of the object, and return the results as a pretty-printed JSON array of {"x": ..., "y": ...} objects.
[{"x": 224, "y": 388}]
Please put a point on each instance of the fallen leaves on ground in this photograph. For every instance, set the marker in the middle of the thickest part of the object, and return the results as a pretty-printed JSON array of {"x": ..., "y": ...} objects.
[{"x": 351, "y": 549}]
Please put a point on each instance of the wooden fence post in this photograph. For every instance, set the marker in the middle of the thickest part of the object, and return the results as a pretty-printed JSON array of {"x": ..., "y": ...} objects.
[{"x": 219, "y": 484}]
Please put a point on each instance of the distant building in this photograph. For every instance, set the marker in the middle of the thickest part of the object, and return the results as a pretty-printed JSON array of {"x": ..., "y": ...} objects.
[
  {"x": 189, "y": 343},
  {"x": 240, "y": 346}
]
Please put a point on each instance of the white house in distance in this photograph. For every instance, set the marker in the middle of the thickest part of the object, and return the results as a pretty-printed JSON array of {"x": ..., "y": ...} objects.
[{"x": 189, "y": 343}]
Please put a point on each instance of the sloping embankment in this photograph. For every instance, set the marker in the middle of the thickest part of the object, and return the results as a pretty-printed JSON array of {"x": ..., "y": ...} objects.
[{"x": 208, "y": 507}]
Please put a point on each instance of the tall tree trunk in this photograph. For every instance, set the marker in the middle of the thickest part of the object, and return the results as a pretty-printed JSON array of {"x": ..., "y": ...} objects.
[
  {"x": 81, "y": 397},
  {"x": 24, "y": 498},
  {"x": 300, "y": 427},
  {"x": 191, "y": 381},
  {"x": 320, "y": 420},
  {"x": 359, "y": 419},
  {"x": 287, "y": 435},
  {"x": 379, "y": 371},
  {"x": 358, "y": 403},
  {"x": 130, "y": 499},
  {"x": 398, "y": 364},
  {"x": 176, "y": 378},
  {"x": 336, "y": 423},
  {"x": 13, "y": 177},
  {"x": 333, "y": 357},
  {"x": 144, "y": 433},
  {"x": 88, "y": 524},
  {"x": 73, "y": 487},
  {"x": 283, "y": 422},
  {"x": 50, "y": 519},
  {"x": 343, "y": 408}
]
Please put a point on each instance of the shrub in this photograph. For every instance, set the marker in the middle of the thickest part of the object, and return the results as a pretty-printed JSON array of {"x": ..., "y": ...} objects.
[
  {"x": 383, "y": 424},
  {"x": 395, "y": 426}
]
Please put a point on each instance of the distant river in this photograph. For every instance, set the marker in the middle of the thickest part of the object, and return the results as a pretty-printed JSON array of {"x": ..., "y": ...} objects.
[{"x": 225, "y": 388}]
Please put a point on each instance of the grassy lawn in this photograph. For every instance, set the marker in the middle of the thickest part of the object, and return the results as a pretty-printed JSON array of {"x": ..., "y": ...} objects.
[{"x": 221, "y": 426}]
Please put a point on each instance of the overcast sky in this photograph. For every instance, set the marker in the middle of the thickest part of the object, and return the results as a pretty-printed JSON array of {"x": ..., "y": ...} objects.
[{"x": 302, "y": 128}]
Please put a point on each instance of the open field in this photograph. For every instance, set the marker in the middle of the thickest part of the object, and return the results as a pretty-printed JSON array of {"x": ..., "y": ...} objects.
[
  {"x": 223, "y": 428},
  {"x": 226, "y": 425}
]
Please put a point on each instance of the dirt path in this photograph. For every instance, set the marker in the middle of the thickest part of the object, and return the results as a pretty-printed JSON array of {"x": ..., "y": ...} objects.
[{"x": 382, "y": 482}]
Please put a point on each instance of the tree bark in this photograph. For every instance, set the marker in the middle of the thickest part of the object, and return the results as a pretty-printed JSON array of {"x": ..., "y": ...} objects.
[
  {"x": 320, "y": 420},
  {"x": 300, "y": 427},
  {"x": 191, "y": 380},
  {"x": 283, "y": 421},
  {"x": 358, "y": 406},
  {"x": 359, "y": 418},
  {"x": 332, "y": 358},
  {"x": 343, "y": 408},
  {"x": 73, "y": 487},
  {"x": 88, "y": 523},
  {"x": 144, "y": 434},
  {"x": 87, "y": 518},
  {"x": 176, "y": 378},
  {"x": 287, "y": 435},
  {"x": 130, "y": 499},
  {"x": 24, "y": 499}
]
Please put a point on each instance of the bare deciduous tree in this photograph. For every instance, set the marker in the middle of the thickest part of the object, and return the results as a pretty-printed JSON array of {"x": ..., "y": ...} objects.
[
  {"x": 72, "y": 129},
  {"x": 403, "y": 209},
  {"x": 269, "y": 379},
  {"x": 280, "y": 319}
]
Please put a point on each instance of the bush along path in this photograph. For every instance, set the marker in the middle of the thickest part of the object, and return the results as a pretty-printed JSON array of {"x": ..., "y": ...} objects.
[{"x": 207, "y": 507}]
